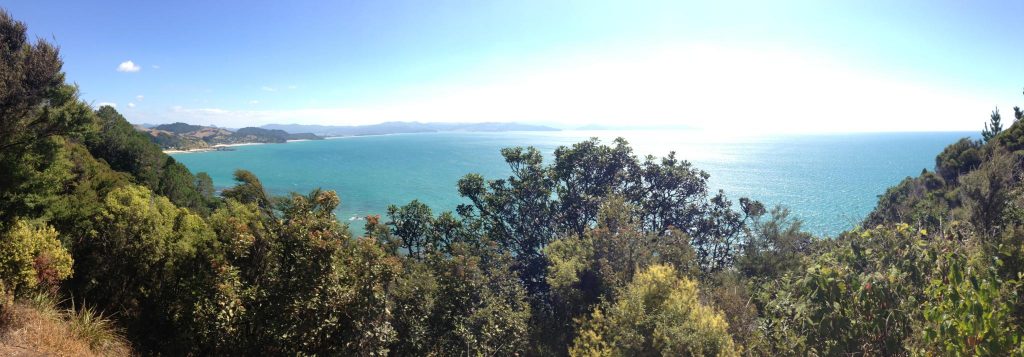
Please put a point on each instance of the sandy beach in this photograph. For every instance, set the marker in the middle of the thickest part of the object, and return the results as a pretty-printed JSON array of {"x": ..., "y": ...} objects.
[{"x": 212, "y": 148}]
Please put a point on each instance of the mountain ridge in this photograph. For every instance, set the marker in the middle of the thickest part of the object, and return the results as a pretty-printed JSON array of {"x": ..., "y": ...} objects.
[
  {"x": 404, "y": 127},
  {"x": 183, "y": 136}
]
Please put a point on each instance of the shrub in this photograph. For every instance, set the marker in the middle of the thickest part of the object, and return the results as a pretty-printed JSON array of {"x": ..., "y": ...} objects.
[
  {"x": 968, "y": 313},
  {"x": 658, "y": 313},
  {"x": 32, "y": 258}
]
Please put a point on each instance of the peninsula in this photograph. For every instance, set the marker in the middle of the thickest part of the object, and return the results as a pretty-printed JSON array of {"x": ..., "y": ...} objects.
[
  {"x": 177, "y": 137},
  {"x": 188, "y": 137}
]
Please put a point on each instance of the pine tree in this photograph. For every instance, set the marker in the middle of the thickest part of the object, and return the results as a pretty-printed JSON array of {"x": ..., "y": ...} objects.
[{"x": 994, "y": 126}]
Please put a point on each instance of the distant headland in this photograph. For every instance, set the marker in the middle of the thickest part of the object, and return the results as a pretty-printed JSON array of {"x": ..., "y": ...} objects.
[
  {"x": 178, "y": 137},
  {"x": 404, "y": 127}
]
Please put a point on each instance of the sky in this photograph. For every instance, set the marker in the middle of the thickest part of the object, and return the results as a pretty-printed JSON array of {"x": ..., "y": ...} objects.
[{"x": 756, "y": 66}]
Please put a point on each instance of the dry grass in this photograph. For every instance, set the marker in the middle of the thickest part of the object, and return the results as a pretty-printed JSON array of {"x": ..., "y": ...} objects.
[{"x": 35, "y": 327}]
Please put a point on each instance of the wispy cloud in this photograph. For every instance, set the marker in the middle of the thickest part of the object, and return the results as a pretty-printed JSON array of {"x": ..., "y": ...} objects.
[
  {"x": 128, "y": 66},
  {"x": 155, "y": 66},
  {"x": 254, "y": 102},
  {"x": 131, "y": 105},
  {"x": 268, "y": 88},
  {"x": 293, "y": 87},
  {"x": 140, "y": 97}
]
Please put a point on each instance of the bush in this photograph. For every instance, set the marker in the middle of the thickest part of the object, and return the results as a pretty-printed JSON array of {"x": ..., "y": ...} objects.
[
  {"x": 31, "y": 258},
  {"x": 968, "y": 313},
  {"x": 957, "y": 159},
  {"x": 658, "y": 313}
]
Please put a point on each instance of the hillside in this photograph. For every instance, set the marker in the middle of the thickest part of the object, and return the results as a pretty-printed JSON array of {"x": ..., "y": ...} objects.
[
  {"x": 182, "y": 136},
  {"x": 404, "y": 128},
  {"x": 591, "y": 251}
]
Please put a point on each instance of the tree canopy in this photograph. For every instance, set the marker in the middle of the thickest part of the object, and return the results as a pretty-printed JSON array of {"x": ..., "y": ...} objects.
[{"x": 598, "y": 252}]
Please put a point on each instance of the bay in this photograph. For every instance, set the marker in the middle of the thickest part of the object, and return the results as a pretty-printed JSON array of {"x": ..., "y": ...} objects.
[{"x": 831, "y": 181}]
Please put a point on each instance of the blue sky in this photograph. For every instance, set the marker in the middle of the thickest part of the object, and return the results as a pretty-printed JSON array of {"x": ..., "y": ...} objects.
[{"x": 779, "y": 66}]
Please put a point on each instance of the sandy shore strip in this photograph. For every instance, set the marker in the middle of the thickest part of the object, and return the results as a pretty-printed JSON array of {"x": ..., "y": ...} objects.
[
  {"x": 242, "y": 144},
  {"x": 208, "y": 149}
]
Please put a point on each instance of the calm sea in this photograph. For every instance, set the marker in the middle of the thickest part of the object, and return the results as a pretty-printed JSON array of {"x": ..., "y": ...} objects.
[{"x": 829, "y": 181}]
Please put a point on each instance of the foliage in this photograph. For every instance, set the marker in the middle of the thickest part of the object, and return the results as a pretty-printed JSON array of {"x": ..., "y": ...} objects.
[
  {"x": 862, "y": 295},
  {"x": 125, "y": 149},
  {"x": 926, "y": 201},
  {"x": 32, "y": 259},
  {"x": 985, "y": 192},
  {"x": 774, "y": 247},
  {"x": 598, "y": 252},
  {"x": 968, "y": 312},
  {"x": 658, "y": 313},
  {"x": 993, "y": 127},
  {"x": 957, "y": 159},
  {"x": 586, "y": 270},
  {"x": 588, "y": 172},
  {"x": 36, "y": 110},
  {"x": 38, "y": 326}
]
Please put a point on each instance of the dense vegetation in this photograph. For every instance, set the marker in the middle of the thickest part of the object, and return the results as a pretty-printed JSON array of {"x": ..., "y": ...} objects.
[{"x": 597, "y": 253}]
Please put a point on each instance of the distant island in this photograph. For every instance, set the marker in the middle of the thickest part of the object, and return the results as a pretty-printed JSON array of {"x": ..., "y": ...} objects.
[
  {"x": 401, "y": 127},
  {"x": 187, "y": 137}
]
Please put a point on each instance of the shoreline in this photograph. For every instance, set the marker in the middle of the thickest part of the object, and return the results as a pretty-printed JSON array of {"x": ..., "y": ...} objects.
[{"x": 217, "y": 147}]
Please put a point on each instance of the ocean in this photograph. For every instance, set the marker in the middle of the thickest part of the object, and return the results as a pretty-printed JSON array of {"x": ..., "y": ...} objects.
[{"x": 830, "y": 181}]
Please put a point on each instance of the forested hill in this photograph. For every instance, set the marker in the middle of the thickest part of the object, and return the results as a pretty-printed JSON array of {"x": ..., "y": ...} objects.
[
  {"x": 182, "y": 136},
  {"x": 110, "y": 243}
]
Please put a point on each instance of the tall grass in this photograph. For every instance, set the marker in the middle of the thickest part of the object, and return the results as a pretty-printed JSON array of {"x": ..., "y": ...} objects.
[
  {"x": 35, "y": 325},
  {"x": 97, "y": 330}
]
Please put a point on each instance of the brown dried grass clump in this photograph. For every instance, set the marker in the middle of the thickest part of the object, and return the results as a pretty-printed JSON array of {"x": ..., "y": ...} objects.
[{"x": 36, "y": 327}]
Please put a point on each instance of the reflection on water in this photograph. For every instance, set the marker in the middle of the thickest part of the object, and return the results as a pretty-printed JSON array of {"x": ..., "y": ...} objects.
[{"x": 830, "y": 181}]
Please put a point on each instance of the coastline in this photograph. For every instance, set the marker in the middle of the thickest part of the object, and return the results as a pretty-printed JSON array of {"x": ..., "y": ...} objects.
[
  {"x": 212, "y": 148},
  {"x": 219, "y": 146}
]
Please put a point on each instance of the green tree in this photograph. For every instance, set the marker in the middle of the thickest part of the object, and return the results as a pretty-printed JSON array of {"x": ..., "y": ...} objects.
[
  {"x": 774, "y": 247},
  {"x": 993, "y": 127},
  {"x": 128, "y": 150},
  {"x": 657, "y": 314},
  {"x": 205, "y": 185},
  {"x": 986, "y": 192},
  {"x": 135, "y": 260},
  {"x": 249, "y": 190},
  {"x": 32, "y": 259},
  {"x": 330, "y": 296},
  {"x": 411, "y": 224},
  {"x": 586, "y": 173},
  {"x": 958, "y": 159},
  {"x": 36, "y": 111},
  {"x": 517, "y": 212},
  {"x": 862, "y": 294}
]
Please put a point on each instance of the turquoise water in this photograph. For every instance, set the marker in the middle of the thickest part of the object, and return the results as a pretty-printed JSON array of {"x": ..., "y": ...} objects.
[{"x": 829, "y": 181}]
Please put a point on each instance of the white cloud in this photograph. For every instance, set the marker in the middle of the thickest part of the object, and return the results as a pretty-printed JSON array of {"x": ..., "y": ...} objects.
[
  {"x": 128, "y": 66},
  {"x": 101, "y": 104},
  {"x": 131, "y": 105},
  {"x": 254, "y": 102},
  {"x": 268, "y": 88},
  {"x": 293, "y": 87},
  {"x": 140, "y": 97}
]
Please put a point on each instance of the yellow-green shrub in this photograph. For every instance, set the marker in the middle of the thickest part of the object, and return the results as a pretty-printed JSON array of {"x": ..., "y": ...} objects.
[
  {"x": 32, "y": 258},
  {"x": 658, "y": 313}
]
